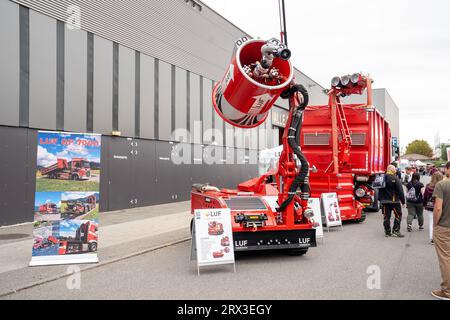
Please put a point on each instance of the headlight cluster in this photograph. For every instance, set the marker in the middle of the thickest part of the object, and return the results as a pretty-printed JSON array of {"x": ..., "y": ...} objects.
[
  {"x": 360, "y": 192},
  {"x": 347, "y": 81}
]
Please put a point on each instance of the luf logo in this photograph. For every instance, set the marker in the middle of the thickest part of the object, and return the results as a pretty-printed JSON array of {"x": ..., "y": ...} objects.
[
  {"x": 240, "y": 243},
  {"x": 304, "y": 240},
  {"x": 213, "y": 214}
]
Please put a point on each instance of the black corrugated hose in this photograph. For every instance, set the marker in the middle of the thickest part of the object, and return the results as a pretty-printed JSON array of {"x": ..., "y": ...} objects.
[{"x": 301, "y": 180}]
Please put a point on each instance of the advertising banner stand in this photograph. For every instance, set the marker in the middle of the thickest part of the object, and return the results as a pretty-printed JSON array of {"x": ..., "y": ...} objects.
[
  {"x": 212, "y": 238},
  {"x": 316, "y": 220},
  {"x": 67, "y": 198},
  {"x": 331, "y": 210}
]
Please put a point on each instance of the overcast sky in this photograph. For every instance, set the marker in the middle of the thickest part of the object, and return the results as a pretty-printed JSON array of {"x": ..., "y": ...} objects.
[{"x": 403, "y": 44}]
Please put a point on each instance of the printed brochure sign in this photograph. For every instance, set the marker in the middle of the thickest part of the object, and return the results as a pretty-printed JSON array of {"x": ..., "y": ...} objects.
[
  {"x": 213, "y": 237},
  {"x": 316, "y": 220},
  {"x": 330, "y": 206},
  {"x": 67, "y": 198}
]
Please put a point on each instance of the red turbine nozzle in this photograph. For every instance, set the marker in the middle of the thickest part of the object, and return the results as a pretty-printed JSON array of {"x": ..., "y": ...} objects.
[{"x": 244, "y": 96}]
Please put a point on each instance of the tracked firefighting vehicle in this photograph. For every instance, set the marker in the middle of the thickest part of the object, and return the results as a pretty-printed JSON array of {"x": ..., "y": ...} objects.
[{"x": 269, "y": 212}]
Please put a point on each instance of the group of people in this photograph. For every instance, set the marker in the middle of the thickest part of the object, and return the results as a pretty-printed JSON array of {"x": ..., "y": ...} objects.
[{"x": 434, "y": 198}]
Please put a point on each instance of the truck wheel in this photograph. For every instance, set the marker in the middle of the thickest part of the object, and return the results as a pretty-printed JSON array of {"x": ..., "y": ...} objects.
[
  {"x": 362, "y": 219},
  {"x": 376, "y": 203},
  {"x": 296, "y": 252},
  {"x": 192, "y": 225},
  {"x": 93, "y": 247},
  {"x": 74, "y": 177}
]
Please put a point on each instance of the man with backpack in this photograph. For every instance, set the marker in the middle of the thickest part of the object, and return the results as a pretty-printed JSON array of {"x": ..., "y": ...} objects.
[
  {"x": 441, "y": 234},
  {"x": 408, "y": 175},
  {"x": 392, "y": 198},
  {"x": 414, "y": 199}
]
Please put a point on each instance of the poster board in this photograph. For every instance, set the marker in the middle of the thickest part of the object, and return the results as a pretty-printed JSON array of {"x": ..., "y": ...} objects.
[
  {"x": 331, "y": 210},
  {"x": 67, "y": 198},
  {"x": 212, "y": 238},
  {"x": 316, "y": 220}
]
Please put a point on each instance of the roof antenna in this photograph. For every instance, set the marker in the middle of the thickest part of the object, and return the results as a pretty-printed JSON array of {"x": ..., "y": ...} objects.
[{"x": 282, "y": 12}]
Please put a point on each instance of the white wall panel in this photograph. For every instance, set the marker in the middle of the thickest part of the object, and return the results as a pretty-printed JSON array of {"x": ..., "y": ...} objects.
[
  {"x": 126, "y": 91},
  {"x": 9, "y": 63},
  {"x": 42, "y": 71},
  {"x": 75, "y": 80},
  {"x": 165, "y": 117},
  {"x": 180, "y": 99},
  {"x": 103, "y": 83},
  {"x": 147, "y": 111},
  {"x": 195, "y": 129}
]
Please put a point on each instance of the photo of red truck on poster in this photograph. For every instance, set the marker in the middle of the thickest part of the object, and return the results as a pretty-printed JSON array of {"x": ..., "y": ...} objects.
[
  {"x": 68, "y": 162},
  {"x": 79, "y": 205},
  {"x": 77, "y": 237},
  {"x": 47, "y": 206}
]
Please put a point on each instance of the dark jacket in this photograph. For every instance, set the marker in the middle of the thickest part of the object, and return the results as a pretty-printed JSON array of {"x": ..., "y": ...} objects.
[
  {"x": 417, "y": 185},
  {"x": 393, "y": 192},
  {"x": 399, "y": 173},
  {"x": 428, "y": 199}
]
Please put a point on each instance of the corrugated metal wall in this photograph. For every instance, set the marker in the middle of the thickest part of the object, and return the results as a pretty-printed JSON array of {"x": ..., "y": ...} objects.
[
  {"x": 143, "y": 67},
  {"x": 171, "y": 31}
]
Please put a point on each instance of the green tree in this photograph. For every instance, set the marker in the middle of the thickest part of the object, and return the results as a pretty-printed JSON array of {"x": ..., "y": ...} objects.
[{"x": 420, "y": 147}]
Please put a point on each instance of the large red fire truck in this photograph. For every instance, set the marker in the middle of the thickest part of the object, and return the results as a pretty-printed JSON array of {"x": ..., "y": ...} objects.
[
  {"x": 76, "y": 169},
  {"x": 348, "y": 145}
]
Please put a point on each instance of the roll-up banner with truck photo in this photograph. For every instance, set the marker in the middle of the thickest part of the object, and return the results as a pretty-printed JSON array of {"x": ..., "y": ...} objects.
[{"x": 67, "y": 198}]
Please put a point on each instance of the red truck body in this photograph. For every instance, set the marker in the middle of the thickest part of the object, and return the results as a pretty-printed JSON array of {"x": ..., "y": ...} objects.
[
  {"x": 48, "y": 208},
  {"x": 76, "y": 169},
  {"x": 85, "y": 240},
  {"x": 369, "y": 154},
  {"x": 82, "y": 206}
]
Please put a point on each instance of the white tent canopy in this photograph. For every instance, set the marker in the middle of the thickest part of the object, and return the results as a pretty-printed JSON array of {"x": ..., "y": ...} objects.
[{"x": 420, "y": 163}]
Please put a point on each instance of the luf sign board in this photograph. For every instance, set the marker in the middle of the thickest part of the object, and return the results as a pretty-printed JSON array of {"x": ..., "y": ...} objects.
[
  {"x": 316, "y": 220},
  {"x": 213, "y": 237},
  {"x": 330, "y": 206},
  {"x": 66, "y": 199}
]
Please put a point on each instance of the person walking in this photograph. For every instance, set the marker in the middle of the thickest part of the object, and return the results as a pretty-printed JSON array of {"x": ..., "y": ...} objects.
[
  {"x": 429, "y": 200},
  {"x": 414, "y": 200},
  {"x": 408, "y": 174},
  {"x": 441, "y": 234},
  {"x": 392, "y": 198},
  {"x": 398, "y": 172}
]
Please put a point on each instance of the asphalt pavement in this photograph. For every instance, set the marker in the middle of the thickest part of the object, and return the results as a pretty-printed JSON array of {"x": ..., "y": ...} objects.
[
  {"x": 358, "y": 262},
  {"x": 339, "y": 268}
]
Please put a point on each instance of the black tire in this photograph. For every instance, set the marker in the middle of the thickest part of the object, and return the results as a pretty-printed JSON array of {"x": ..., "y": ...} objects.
[
  {"x": 376, "y": 203},
  {"x": 192, "y": 225},
  {"x": 362, "y": 219},
  {"x": 93, "y": 246},
  {"x": 75, "y": 177},
  {"x": 296, "y": 252}
]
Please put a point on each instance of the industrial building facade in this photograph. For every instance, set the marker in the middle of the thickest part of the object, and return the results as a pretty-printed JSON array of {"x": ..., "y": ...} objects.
[{"x": 140, "y": 68}]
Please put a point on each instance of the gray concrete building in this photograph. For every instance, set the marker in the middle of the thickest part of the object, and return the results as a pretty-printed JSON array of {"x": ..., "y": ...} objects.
[{"x": 142, "y": 68}]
